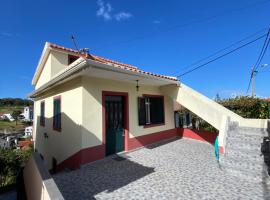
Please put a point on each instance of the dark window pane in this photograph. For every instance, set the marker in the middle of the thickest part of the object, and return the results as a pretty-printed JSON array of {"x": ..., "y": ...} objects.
[
  {"x": 156, "y": 110},
  {"x": 42, "y": 114},
  {"x": 141, "y": 111}
]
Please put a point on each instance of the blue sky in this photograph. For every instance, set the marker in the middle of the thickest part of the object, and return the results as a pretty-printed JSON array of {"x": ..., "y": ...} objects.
[{"x": 158, "y": 36}]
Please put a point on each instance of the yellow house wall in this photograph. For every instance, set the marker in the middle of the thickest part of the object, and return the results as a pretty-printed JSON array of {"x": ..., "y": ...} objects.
[
  {"x": 81, "y": 108},
  {"x": 46, "y": 73},
  {"x": 55, "y": 63},
  {"x": 92, "y": 109},
  {"x": 59, "y": 62},
  {"x": 60, "y": 145}
]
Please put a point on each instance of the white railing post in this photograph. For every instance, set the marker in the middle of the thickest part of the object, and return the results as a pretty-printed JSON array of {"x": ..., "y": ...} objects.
[{"x": 224, "y": 127}]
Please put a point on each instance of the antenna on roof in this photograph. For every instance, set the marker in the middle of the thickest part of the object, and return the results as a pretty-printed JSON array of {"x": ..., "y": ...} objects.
[
  {"x": 83, "y": 50},
  {"x": 74, "y": 42}
]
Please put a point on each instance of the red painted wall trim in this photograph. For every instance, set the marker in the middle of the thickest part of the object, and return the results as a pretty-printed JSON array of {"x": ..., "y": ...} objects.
[
  {"x": 98, "y": 152},
  {"x": 126, "y": 115},
  {"x": 141, "y": 141},
  {"x": 205, "y": 136},
  {"x": 82, "y": 157}
]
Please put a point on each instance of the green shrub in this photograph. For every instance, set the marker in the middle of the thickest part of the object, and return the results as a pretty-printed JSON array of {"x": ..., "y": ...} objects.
[
  {"x": 11, "y": 161},
  {"x": 247, "y": 107}
]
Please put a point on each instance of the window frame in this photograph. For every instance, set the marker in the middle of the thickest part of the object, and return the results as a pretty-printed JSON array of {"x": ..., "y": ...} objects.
[
  {"x": 60, "y": 112},
  {"x": 42, "y": 117},
  {"x": 150, "y": 124}
]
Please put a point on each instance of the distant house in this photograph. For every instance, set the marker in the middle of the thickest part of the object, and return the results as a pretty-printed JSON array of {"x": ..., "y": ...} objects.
[
  {"x": 87, "y": 107},
  {"x": 28, "y": 131},
  {"x": 7, "y": 116},
  {"x": 27, "y": 114}
]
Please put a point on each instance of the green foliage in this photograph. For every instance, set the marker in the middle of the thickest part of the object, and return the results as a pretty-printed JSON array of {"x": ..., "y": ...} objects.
[
  {"x": 11, "y": 160},
  {"x": 247, "y": 107},
  {"x": 15, "y": 114},
  {"x": 15, "y": 102}
]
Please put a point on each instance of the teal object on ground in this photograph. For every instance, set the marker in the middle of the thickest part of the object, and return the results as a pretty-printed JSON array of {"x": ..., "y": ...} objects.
[{"x": 216, "y": 149}]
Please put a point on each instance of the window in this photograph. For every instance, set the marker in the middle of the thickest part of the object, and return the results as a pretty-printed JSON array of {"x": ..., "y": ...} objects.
[
  {"x": 57, "y": 113},
  {"x": 42, "y": 114},
  {"x": 151, "y": 110}
]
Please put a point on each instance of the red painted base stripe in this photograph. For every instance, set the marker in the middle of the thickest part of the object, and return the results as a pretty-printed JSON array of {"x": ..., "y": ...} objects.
[
  {"x": 98, "y": 152},
  {"x": 82, "y": 157},
  {"x": 141, "y": 141},
  {"x": 205, "y": 136}
]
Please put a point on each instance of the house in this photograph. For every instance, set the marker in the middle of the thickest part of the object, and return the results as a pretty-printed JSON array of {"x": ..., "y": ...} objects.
[
  {"x": 27, "y": 114},
  {"x": 28, "y": 131},
  {"x": 87, "y": 107},
  {"x": 8, "y": 117}
]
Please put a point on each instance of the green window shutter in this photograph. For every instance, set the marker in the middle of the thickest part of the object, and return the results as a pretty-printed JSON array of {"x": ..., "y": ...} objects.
[{"x": 57, "y": 114}]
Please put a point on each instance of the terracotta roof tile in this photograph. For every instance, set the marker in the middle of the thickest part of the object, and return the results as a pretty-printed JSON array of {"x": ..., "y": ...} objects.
[{"x": 108, "y": 61}]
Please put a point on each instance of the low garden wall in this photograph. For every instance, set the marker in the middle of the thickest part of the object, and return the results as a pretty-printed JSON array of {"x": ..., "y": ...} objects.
[{"x": 38, "y": 182}]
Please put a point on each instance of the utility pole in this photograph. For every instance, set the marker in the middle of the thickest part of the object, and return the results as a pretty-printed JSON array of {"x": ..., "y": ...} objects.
[{"x": 252, "y": 81}]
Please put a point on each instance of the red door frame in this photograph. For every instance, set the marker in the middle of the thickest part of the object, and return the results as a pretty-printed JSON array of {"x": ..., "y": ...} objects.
[{"x": 126, "y": 116}]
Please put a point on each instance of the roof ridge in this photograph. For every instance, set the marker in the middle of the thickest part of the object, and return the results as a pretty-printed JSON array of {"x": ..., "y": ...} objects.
[{"x": 109, "y": 61}]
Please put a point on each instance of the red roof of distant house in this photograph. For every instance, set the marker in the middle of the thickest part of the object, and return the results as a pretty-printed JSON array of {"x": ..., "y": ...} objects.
[
  {"x": 268, "y": 99},
  {"x": 108, "y": 61},
  {"x": 24, "y": 143}
]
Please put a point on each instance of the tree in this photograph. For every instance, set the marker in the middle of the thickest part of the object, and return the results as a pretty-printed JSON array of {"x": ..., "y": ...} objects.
[{"x": 16, "y": 114}]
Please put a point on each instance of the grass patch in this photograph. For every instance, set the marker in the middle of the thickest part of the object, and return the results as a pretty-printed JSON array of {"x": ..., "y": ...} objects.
[{"x": 11, "y": 126}]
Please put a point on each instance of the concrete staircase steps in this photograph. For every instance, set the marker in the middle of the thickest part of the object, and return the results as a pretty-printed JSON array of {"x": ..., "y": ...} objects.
[
  {"x": 245, "y": 140},
  {"x": 244, "y": 146},
  {"x": 252, "y": 166},
  {"x": 246, "y": 174},
  {"x": 243, "y": 153}
]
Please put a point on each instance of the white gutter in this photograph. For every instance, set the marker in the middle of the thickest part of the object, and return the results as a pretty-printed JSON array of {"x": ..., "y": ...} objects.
[
  {"x": 111, "y": 67},
  {"x": 80, "y": 66},
  {"x": 90, "y": 63}
]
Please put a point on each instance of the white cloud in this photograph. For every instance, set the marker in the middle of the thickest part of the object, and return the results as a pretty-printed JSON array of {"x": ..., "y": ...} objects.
[
  {"x": 105, "y": 11},
  {"x": 122, "y": 16}
]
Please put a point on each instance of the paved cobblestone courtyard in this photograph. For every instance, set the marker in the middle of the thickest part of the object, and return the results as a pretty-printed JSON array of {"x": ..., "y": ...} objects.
[{"x": 175, "y": 169}]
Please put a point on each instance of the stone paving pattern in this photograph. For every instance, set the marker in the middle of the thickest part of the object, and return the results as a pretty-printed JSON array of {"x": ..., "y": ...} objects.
[{"x": 175, "y": 169}]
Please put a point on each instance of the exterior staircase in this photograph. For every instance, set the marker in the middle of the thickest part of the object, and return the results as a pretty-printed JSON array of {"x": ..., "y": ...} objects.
[{"x": 243, "y": 153}]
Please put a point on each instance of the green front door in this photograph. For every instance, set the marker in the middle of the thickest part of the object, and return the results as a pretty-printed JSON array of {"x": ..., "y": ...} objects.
[{"x": 114, "y": 124}]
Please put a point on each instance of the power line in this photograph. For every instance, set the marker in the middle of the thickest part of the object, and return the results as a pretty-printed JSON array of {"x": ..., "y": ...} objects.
[
  {"x": 223, "y": 49},
  {"x": 168, "y": 29},
  {"x": 221, "y": 56},
  {"x": 264, "y": 48},
  {"x": 259, "y": 60}
]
